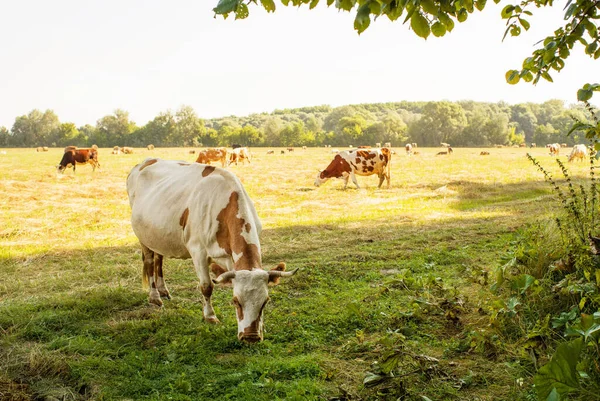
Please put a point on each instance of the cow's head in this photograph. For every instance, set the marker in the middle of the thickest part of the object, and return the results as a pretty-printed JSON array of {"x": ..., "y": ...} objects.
[
  {"x": 321, "y": 178},
  {"x": 250, "y": 296}
]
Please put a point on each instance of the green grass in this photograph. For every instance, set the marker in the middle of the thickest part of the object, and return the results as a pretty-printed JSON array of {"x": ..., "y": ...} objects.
[{"x": 380, "y": 270}]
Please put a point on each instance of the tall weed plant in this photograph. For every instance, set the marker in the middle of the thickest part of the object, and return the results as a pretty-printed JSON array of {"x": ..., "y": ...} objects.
[{"x": 549, "y": 287}]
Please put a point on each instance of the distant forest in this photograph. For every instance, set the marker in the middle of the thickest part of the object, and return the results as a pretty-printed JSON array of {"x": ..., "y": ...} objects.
[{"x": 464, "y": 123}]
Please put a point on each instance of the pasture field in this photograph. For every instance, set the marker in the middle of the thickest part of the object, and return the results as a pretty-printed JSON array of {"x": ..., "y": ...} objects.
[{"x": 400, "y": 271}]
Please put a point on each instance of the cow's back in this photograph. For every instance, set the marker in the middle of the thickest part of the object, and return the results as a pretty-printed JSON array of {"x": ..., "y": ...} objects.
[{"x": 175, "y": 202}]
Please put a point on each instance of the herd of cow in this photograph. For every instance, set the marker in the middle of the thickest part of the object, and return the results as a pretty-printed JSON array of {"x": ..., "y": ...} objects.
[{"x": 196, "y": 211}]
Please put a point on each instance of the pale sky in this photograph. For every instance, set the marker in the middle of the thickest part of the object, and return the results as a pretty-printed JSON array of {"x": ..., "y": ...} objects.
[{"x": 85, "y": 59}]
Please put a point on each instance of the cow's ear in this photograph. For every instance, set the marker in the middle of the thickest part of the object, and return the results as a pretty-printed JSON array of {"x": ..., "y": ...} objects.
[
  {"x": 274, "y": 279},
  {"x": 219, "y": 270}
]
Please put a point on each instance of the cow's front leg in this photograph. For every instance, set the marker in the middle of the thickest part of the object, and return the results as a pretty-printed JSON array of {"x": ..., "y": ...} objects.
[
  {"x": 161, "y": 286},
  {"x": 148, "y": 276},
  {"x": 345, "y": 178},
  {"x": 354, "y": 180},
  {"x": 200, "y": 259}
]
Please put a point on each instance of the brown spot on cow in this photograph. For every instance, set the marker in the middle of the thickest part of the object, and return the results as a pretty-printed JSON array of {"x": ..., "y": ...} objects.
[
  {"x": 336, "y": 168},
  {"x": 184, "y": 217},
  {"x": 365, "y": 154},
  {"x": 207, "y": 291},
  {"x": 247, "y": 227},
  {"x": 229, "y": 236},
  {"x": 148, "y": 163},
  {"x": 207, "y": 170},
  {"x": 358, "y": 160},
  {"x": 238, "y": 308}
]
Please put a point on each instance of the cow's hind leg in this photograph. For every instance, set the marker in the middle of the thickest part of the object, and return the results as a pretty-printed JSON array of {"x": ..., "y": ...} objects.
[
  {"x": 200, "y": 259},
  {"x": 161, "y": 286},
  {"x": 148, "y": 276}
]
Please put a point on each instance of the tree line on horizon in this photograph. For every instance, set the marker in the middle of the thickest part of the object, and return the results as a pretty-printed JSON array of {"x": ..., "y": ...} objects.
[{"x": 462, "y": 123}]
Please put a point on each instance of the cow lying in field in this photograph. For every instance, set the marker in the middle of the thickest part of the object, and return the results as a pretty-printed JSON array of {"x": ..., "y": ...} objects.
[
  {"x": 74, "y": 156},
  {"x": 349, "y": 163},
  {"x": 189, "y": 210},
  {"x": 212, "y": 155}
]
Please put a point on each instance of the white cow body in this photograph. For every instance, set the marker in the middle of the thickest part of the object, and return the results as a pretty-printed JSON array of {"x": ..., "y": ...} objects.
[
  {"x": 578, "y": 152},
  {"x": 190, "y": 210}
]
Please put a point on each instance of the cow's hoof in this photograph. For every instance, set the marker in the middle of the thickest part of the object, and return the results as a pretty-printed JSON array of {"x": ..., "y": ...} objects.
[
  {"x": 165, "y": 295},
  {"x": 212, "y": 320},
  {"x": 156, "y": 302}
]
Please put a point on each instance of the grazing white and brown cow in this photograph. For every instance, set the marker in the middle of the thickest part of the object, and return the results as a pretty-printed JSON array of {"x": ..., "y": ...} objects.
[
  {"x": 212, "y": 155},
  {"x": 578, "y": 152},
  {"x": 127, "y": 150},
  {"x": 116, "y": 150},
  {"x": 408, "y": 148},
  {"x": 74, "y": 156},
  {"x": 239, "y": 155},
  {"x": 349, "y": 163},
  {"x": 554, "y": 149},
  {"x": 188, "y": 210}
]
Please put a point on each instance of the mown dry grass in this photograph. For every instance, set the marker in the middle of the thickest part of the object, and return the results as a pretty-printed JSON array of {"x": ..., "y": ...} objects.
[{"x": 375, "y": 263}]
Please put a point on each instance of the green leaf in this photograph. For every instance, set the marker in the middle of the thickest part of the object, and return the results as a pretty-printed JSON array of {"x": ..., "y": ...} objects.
[
  {"x": 363, "y": 19},
  {"x": 547, "y": 76},
  {"x": 313, "y": 4},
  {"x": 583, "y": 95},
  {"x": 429, "y": 7},
  {"x": 564, "y": 52},
  {"x": 462, "y": 15},
  {"x": 226, "y": 6},
  {"x": 480, "y": 4},
  {"x": 524, "y": 23},
  {"x": 438, "y": 29},
  {"x": 269, "y": 5},
  {"x": 447, "y": 21},
  {"x": 591, "y": 48},
  {"x": 372, "y": 379},
  {"x": 512, "y": 77},
  {"x": 241, "y": 11},
  {"x": 345, "y": 5},
  {"x": 526, "y": 75},
  {"x": 420, "y": 25},
  {"x": 507, "y": 11},
  {"x": 553, "y": 396},
  {"x": 597, "y": 54},
  {"x": 561, "y": 372},
  {"x": 515, "y": 30},
  {"x": 523, "y": 282}
]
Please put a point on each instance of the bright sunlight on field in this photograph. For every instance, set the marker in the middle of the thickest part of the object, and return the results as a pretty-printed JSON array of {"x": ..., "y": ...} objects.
[{"x": 380, "y": 269}]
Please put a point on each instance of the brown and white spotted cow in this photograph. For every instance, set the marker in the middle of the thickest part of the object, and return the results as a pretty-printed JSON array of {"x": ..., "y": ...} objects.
[
  {"x": 239, "y": 155},
  {"x": 554, "y": 149},
  {"x": 189, "y": 210},
  {"x": 74, "y": 156},
  {"x": 212, "y": 155},
  {"x": 349, "y": 163}
]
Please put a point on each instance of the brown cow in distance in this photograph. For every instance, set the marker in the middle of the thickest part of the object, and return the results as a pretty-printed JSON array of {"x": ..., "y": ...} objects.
[
  {"x": 74, "y": 156},
  {"x": 212, "y": 155}
]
